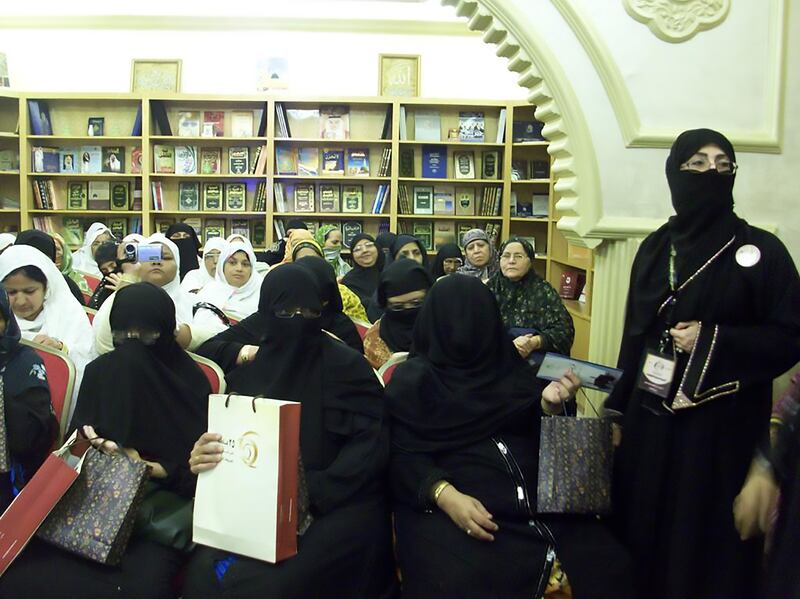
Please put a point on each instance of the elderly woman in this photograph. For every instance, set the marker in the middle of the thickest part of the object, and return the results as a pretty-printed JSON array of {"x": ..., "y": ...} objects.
[
  {"x": 83, "y": 258},
  {"x": 711, "y": 319},
  {"x": 330, "y": 238},
  {"x": 532, "y": 311},
  {"x": 408, "y": 246},
  {"x": 481, "y": 255},
  {"x": 448, "y": 260}
]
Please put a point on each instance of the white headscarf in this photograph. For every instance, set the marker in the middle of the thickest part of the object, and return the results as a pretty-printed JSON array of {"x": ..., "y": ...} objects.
[
  {"x": 134, "y": 238},
  {"x": 240, "y": 238},
  {"x": 183, "y": 301},
  {"x": 198, "y": 278},
  {"x": 62, "y": 317},
  {"x": 239, "y": 302},
  {"x": 6, "y": 239},
  {"x": 83, "y": 259}
]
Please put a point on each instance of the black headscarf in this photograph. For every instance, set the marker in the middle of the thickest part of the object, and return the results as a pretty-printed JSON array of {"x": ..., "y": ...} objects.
[
  {"x": 21, "y": 368},
  {"x": 384, "y": 242},
  {"x": 704, "y": 222},
  {"x": 106, "y": 252},
  {"x": 464, "y": 377},
  {"x": 399, "y": 278},
  {"x": 333, "y": 319},
  {"x": 40, "y": 240},
  {"x": 402, "y": 240},
  {"x": 153, "y": 398},
  {"x": 364, "y": 281},
  {"x": 295, "y": 223},
  {"x": 448, "y": 250},
  {"x": 188, "y": 248}
]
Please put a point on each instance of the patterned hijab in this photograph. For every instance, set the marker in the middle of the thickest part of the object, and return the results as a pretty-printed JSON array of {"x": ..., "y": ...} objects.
[
  {"x": 483, "y": 272},
  {"x": 297, "y": 239}
]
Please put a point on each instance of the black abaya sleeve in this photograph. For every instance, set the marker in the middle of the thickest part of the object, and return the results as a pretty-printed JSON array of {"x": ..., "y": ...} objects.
[
  {"x": 411, "y": 477},
  {"x": 224, "y": 347},
  {"x": 30, "y": 424},
  {"x": 75, "y": 290}
]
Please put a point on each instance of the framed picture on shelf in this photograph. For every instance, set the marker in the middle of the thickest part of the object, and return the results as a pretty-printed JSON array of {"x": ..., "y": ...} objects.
[
  {"x": 399, "y": 75},
  {"x": 155, "y": 75}
]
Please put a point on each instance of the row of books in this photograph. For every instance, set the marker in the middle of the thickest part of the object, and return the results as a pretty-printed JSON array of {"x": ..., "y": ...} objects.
[
  {"x": 9, "y": 160},
  {"x": 537, "y": 207},
  {"x": 327, "y": 197},
  {"x": 212, "y": 123},
  {"x": 471, "y": 126},
  {"x": 42, "y": 123},
  {"x": 333, "y": 121},
  {"x": 444, "y": 200},
  {"x": 434, "y": 234},
  {"x": 71, "y": 229},
  {"x": 185, "y": 160},
  {"x": 86, "y": 159},
  {"x": 215, "y": 196},
  {"x": 349, "y": 229},
  {"x": 539, "y": 169},
  {"x": 305, "y": 161},
  {"x": 209, "y": 228},
  {"x": 86, "y": 195},
  {"x": 434, "y": 163}
]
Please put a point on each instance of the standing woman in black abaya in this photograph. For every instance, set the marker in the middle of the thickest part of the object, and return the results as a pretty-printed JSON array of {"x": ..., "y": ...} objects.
[{"x": 711, "y": 319}]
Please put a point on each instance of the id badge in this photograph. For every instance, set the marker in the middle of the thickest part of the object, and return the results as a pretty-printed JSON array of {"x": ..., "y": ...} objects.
[{"x": 656, "y": 374}]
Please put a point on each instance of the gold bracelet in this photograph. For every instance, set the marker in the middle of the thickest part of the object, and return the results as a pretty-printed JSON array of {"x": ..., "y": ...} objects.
[{"x": 437, "y": 490}]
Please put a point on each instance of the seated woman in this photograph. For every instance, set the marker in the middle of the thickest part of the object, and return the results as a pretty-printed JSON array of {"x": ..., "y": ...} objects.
[
  {"x": 64, "y": 263},
  {"x": 531, "y": 309},
  {"x": 30, "y": 426},
  {"x": 333, "y": 319},
  {"x": 448, "y": 260},
  {"x": 401, "y": 291},
  {"x": 330, "y": 238},
  {"x": 6, "y": 240},
  {"x": 185, "y": 239},
  {"x": 408, "y": 246},
  {"x": 481, "y": 255},
  {"x": 83, "y": 258},
  {"x": 123, "y": 399},
  {"x": 46, "y": 311},
  {"x": 163, "y": 274},
  {"x": 346, "y": 551},
  {"x": 198, "y": 278},
  {"x": 106, "y": 258},
  {"x": 368, "y": 264},
  {"x": 465, "y": 413},
  {"x": 47, "y": 245},
  {"x": 234, "y": 291}
]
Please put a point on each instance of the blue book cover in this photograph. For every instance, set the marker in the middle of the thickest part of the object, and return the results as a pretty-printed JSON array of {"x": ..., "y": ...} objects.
[
  {"x": 434, "y": 162},
  {"x": 333, "y": 162},
  {"x": 137, "y": 123}
]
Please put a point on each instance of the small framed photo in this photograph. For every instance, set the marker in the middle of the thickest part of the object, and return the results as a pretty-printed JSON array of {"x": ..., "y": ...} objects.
[
  {"x": 96, "y": 126},
  {"x": 399, "y": 75},
  {"x": 148, "y": 75}
]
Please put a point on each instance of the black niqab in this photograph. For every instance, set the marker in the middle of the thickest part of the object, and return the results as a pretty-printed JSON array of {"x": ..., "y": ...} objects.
[
  {"x": 188, "y": 248},
  {"x": 399, "y": 278},
  {"x": 448, "y": 250}
]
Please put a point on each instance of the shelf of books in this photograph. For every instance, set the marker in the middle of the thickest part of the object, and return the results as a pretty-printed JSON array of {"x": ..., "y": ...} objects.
[{"x": 10, "y": 186}]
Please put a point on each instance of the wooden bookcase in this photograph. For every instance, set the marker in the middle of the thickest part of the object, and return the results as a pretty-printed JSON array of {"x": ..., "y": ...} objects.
[{"x": 369, "y": 132}]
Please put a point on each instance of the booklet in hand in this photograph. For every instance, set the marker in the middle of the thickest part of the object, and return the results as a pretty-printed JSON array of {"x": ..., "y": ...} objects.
[{"x": 593, "y": 376}]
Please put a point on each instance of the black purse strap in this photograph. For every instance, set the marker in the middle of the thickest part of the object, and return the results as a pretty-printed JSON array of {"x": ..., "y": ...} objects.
[{"x": 220, "y": 314}]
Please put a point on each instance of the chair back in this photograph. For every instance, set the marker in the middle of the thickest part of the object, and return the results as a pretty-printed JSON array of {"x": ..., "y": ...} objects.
[
  {"x": 212, "y": 371},
  {"x": 92, "y": 281},
  {"x": 90, "y": 313},
  {"x": 387, "y": 369},
  {"x": 61, "y": 380},
  {"x": 362, "y": 327},
  {"x": 87, "y": 297},
  {"x": 232, "y": 319}
]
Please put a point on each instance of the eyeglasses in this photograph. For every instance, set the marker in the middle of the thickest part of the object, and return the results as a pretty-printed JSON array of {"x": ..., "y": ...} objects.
[
  {"x": 453, "y": 261},
  {"x": 211, "y": 258},
  {"x": 700, "y": 163},
  {"x": 292, "y": 312},
  {"x": 146, "y": 337},
  {"x": 409, "y": 305},
  {"x": 516, "y": 257},
  {"x": 363, "y": 247}
]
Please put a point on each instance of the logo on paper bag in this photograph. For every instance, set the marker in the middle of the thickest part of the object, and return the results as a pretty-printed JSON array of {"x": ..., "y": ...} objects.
[{"x": 245, "y": 448}]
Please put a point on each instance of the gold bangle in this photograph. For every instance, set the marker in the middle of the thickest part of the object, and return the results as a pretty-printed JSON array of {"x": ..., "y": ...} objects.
[{"x": 437, "y": 490}]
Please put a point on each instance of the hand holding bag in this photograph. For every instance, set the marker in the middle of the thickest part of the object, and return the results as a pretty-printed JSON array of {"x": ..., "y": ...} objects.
[{"x": 575, "y": 462}]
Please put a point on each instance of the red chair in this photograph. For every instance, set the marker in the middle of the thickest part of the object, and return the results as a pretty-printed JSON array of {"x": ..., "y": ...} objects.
[
  {"x": 90, "y": 313},
  {"x": 61, "y": 379},
  {"x": 233, "y": 320},
  {"x": 87, "y": 297},
  {"x": 387, "y": 369},
  {"x": 362, "y": 327},
  {"x": 212, "y": 371},
  {"x": 92, "y": 281}
]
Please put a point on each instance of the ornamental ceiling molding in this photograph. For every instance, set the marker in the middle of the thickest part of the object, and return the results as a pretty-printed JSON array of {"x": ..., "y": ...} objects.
[{"x": 676, "y": 21}]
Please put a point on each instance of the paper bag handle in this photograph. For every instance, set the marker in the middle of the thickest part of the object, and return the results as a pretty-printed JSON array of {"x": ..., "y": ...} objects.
[{"x": 253, "y": 404}]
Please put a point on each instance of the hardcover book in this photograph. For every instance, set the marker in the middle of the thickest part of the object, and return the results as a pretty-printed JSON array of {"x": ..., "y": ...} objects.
[
  {"x": 527, "y": 131},
  {"x": 464, "y": 165},
  {"x": 332, "y": 162},
  {"x": 334, "y": 122},
  {"x": 423, "y": 200},
  {"x": 212, "y": 197},
  {"x": 163, "y": 159},
  {"x": 242, "y": 123},
  {"x": 238, "y": 160},
  {"x": 427, "y": 125},
  {"x": 239, "y": 226},
  {"x": 490, "y": 165},
  {"x": 40, "y": 117},
  {"x": 304, "y": 198},
  {"x": 258, "y": 236},
  {"x": 286, "y": 159},
  {"x": 350, "y": 229},
  {"x": 329, "y": 200},
  {"x": 195, "y": 223},
  {"x": 434, "y": 162},
  {"x": 213, "y": 123},
  {"x": 519, "y": 170},
  {"x": 188, "y": 124},
  {"x": 443, "y": 200},
  {"x": 163, "y": 224},
  {"x": 540, "y": 205},
  {"x": 235, "y": 197},
  {"x": 113, "y": 159},
  {"x": 353, "y": 198},
  {"x": 540, "y": 169},
  {"x": 444, "y": 231},
  {"x": 136, "y": 160},
  {"x": 210, "y": 161},
  {"x": 424, "y": 232},
  {"x": 46, "y": 160},
  {"x": 406, "y": 162},
  {"x": 188, "y": 196},
  {"x": 120, "y": 195},
  {"x": 77, "y": 195},
  {"x": 69, "y": 159},
  {"x": 9, "y": 160},
  {"x": 73, "y": 231},
  {"x": 99, "y": 195},
  {"x": 308, "y": 162},
  {"x": 96, "y": 127},
  {"x": 118, "y": 227},
  {"x": 358, "y": 162},
  {"x": 186, "y": 160},
  {"x": 215, "y": 228},
  {"x": 471, "y": 127}
]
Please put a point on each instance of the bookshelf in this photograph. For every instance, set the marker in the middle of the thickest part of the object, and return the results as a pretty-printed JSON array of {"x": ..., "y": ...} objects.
[{"x": 393, "y": 152}]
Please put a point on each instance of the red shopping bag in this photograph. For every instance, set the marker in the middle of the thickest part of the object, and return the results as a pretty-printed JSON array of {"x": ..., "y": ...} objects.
[{"x": 29, "y": 509}]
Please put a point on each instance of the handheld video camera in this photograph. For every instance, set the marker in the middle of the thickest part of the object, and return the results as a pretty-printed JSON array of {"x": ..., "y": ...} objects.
[{"x": 143, "y": 252}]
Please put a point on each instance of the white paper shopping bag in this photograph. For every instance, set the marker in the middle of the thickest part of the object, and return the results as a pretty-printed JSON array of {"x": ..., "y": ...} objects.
[{"x": 248, "y": 503}]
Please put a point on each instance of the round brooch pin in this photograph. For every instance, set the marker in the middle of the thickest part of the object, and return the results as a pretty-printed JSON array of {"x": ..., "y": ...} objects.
[{"x": 748, "y": 255}]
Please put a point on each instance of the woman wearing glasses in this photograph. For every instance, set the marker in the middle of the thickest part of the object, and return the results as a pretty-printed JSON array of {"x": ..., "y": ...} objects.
[
  {"x": 344, "y": 444},
  {"x": 532, "y": 311},
  {"x": 196, "y": 279},
  {"x": 400, "y": 294},
  {"x": 448, "y": 260},
  {"x": 711, "y": 319},
  {"x": 367, "y": 266}
]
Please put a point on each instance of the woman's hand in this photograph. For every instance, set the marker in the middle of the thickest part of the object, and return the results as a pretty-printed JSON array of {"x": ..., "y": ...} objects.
[
  {"x": 755, "y": 503},
  {"x": 115, "y": 282},
  {"x": 526, "y": 344},
  {"x": 468, "y": 514},
  {"x": 183, "y": 335},
  {"x": 206, "y": 453},
  {"x": 557, "y": 392},
  {"x": 49, "y": 342},
  {"x": 109, "y": 447},
  {"x": 685, "y": 335},
  {"x": 246, "y": 354}
]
